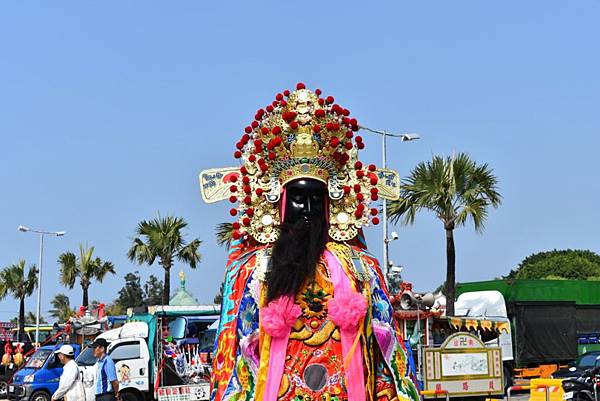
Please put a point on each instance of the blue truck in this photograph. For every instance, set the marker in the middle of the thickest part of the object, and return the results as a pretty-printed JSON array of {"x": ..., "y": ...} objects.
[{"x": 38, "y": 379}]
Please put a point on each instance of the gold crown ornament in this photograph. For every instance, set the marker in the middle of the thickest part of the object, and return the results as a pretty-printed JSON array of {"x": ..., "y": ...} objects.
[{"x": 299, "y": 135}]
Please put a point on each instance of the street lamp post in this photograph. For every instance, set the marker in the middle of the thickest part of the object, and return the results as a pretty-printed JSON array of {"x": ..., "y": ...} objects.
[
  {"x": 386, "y": 239},
  {"x": 39, "y": 284}
]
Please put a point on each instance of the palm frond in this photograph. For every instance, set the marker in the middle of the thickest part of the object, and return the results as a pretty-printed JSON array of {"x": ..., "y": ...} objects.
[
  {"x": 189, "y": 253},
  {"x": 101, "y": 269},
  {"x": 224, "y": 233},
  {"x": 32, "y": 280},
  {"x": 13, "y": 280},
  {"x": 163, "y": 238},
  {"x": 141, "y": 253},
  {"x": 62, "y": 310},
  {"x": 454, "y": 188},
  {"x": 69, "y": 269}
]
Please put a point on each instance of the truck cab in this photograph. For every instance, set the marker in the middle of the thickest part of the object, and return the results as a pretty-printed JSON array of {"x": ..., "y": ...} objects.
[{"x": 39, "y": 378}]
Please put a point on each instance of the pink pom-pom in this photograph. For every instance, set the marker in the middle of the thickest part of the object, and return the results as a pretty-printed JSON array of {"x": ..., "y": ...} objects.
[
  {"x": 279, "y": 316},
  {"x": 347, "y": 309}
]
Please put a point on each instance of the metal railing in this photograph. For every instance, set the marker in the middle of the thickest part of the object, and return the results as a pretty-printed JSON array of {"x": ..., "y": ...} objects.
[{"x": 532, "y": 387}]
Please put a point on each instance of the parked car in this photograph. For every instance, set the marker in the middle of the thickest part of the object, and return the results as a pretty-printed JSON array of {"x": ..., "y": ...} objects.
[
  {"x": 38, "y": 379},
  {"x": 587, "y": 361},
  {"x": 47, "y": 337}
]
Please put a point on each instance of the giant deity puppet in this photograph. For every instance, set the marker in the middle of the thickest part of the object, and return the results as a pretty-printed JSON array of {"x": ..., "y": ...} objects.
[{"x": 305, "y": 314}]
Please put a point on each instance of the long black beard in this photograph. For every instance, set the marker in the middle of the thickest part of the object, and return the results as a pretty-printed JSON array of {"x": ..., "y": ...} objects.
[{"x": 295, "y": 257}]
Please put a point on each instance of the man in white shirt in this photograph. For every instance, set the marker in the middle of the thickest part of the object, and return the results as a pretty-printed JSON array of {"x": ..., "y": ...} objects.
[{"x": 68, "y": 387}]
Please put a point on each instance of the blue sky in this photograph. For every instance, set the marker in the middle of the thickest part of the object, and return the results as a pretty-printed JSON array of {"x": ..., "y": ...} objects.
[{"x": 109, "y": 110}]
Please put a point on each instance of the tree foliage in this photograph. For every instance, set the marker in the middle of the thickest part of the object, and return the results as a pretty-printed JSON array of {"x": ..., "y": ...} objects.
[
  {"x": 85, "y": 267},
  {"x": 134, "y": 294},
  {"x": 456, "y": 189},
  {"x": 568, "y": 264},
  {"x": 61, "y": 308},
  {"x": 153, "y": 290},
  {"x": 131, "y": 294},
  {"x": 218, "y": 299},
  {"x": 224, "y": 233},
  {"x": 162, "y": 238},
  {"x": 30, "y": 318},
  {"x": 114, "y": 309},
  {"x": 14, "y": 280}
]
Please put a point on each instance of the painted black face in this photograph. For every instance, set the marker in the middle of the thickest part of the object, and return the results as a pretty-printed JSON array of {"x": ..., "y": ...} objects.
[{"x": 305, "y": 200}]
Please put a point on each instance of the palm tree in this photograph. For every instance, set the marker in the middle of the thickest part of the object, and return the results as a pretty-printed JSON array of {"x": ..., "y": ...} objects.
[
  {"x": 86, "y": 267},
  {"x": 13, "y": 280},
  {"x": 454, "y": 188},
  {"x": 31, "y": 318},
  {"x": 162, "y": 238},
  {"x": 224, "y": 233},
  {"x": 62, "y": 310}
]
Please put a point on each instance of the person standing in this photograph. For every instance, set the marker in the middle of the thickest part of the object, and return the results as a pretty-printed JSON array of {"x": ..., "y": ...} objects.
[
  {"x": 306, "y": 313},
  {"x": 107, "y": 384},
  {"x": 70, "y": 387}
]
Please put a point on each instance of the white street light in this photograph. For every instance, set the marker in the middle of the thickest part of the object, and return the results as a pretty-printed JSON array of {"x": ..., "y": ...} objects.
[
  {"x": 39, "y": 286},
  {"x": 409, "y": 137},
  {"x": 397, "y": 269},
  {"x": 404, "y": 138}
]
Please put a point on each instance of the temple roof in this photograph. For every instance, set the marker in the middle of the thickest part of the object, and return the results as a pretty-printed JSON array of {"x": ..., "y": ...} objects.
[{"x": 183, "y": 297}]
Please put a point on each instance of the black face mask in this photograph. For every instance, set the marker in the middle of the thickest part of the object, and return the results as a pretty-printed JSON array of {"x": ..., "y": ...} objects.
[
  {"x": 305, "y": 200},
  {"x": 303, "y": 238}
]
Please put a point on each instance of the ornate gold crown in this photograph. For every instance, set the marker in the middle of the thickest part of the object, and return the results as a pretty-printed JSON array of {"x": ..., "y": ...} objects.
[{"x": 301, "y": 135}]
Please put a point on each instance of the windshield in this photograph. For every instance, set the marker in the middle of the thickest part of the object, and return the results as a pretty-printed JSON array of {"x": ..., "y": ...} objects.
[
  {"x": 207, "y": 340},
  {"x": 86, "y": 358},
  {"x": 38, "y": 358},
  {"x": 587, "y": 361}
]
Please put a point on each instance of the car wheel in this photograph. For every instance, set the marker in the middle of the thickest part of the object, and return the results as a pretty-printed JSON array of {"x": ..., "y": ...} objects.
[
  {"x": 40, "y": 396},
  {"x": 3, "y": 389},
  {"x": 130, "y": 396}
]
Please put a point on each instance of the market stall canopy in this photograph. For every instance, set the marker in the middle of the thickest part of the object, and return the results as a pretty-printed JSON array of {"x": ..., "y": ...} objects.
[
  {"x": 480, "y": 323},
  {"x": 481, "y": 304},
  {"x": 172, "y": 310}
]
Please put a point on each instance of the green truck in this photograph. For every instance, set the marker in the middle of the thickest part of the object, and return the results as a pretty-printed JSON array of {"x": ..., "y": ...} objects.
[{"x": 552, "y": 321}]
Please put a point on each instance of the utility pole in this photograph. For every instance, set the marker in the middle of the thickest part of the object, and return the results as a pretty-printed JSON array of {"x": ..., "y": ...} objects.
[
  {"x": 386, "y": 239},
  {"x": 39, "y": 284}
]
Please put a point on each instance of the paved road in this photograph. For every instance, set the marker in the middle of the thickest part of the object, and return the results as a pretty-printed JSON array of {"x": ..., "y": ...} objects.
[{"x": 515, "y": 397}]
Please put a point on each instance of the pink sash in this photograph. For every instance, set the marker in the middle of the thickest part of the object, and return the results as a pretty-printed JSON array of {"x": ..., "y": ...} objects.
[
  {"x": 277, "y": 318},
  {"x": 355, "y": 379}
]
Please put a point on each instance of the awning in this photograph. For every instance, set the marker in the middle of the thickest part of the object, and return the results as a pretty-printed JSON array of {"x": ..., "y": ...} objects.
[
  {"x": 481, "y": 324},
  {"x": 411, "y": 314}
]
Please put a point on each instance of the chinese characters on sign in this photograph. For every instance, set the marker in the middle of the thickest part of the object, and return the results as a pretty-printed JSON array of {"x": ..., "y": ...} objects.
[{"x": 463, "y": 366}]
